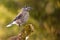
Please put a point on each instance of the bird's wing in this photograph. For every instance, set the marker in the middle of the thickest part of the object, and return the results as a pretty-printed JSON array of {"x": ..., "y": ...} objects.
[{"x": 18, "y": 17}]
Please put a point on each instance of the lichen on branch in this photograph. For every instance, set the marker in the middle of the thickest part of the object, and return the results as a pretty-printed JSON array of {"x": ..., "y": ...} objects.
[{"x": 24, "y": 34}]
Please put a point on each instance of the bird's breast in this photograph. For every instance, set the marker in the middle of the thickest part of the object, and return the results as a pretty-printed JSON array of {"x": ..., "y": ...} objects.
[{"x": 25, "y": 17}]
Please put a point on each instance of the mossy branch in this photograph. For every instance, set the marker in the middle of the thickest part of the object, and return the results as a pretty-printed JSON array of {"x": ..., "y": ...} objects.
[{"x": 24, "y": 34}]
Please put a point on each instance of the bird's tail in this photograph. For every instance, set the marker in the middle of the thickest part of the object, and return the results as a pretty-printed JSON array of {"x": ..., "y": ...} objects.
[{"x": 9, "y": 25}]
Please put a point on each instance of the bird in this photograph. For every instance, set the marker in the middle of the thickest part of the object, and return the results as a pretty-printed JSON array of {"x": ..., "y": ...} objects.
[{"x": 21, "y": 18}]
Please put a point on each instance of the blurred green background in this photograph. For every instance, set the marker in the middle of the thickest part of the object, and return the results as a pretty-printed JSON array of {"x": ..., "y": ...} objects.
[{"x": 45, "y": 16}]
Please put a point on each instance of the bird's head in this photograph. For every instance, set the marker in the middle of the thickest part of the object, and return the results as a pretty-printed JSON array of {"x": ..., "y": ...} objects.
[{"x": 27, "y": 8}]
